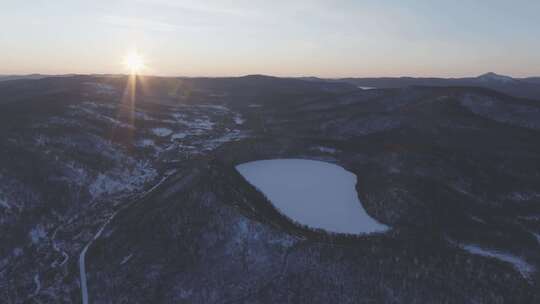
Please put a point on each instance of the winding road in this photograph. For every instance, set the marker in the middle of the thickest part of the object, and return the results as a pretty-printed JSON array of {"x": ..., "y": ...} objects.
[{"x": 82, "y": 256}]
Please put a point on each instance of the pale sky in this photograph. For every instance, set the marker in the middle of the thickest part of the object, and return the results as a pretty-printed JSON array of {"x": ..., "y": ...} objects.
[{"x": 332, "y": 38}]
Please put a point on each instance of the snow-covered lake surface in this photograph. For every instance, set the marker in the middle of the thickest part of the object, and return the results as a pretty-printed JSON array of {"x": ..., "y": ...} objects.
[{"x": 313, "y": 193}]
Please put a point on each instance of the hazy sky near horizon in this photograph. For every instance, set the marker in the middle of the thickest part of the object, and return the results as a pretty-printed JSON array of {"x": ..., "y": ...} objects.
[{"x": 285, "y": 38}]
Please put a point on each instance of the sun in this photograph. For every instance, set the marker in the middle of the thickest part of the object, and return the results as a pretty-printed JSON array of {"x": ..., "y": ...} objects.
[{"x": 134, "y": 62}]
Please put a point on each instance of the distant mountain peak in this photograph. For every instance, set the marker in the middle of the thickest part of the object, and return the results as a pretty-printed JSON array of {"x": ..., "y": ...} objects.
[{"x": 495, "y": 77}]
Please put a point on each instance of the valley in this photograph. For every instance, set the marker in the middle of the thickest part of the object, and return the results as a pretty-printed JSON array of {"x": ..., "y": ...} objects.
[{"x": 120, "y": 191}]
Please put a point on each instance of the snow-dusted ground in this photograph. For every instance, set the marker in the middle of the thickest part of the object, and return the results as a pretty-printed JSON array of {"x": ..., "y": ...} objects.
[
  {"x": 65, "y": 256},
  {"x": 145, "y": 143},
  {"x": 101, "y": 88},
  {"x": 126, "y": 259},
  {"x": 497, "y": 109},
  {"x": 179, "y": 136},
  {"x": 93, "y": 110},
  {"x": 37, "y": 289},
  {"x": 325, "y": 150},
  {"x": 37, "y": 234},
  {"x": 3, "y": 203},
  {"x": 122, "y": 180},
  {"x": 524, "y": 268},
  {"x": 537, "y": 236},
  {"x": 162, "y": 132},
  {"x": 238, "y": 119},
  {"x": 313, "y": 193}
]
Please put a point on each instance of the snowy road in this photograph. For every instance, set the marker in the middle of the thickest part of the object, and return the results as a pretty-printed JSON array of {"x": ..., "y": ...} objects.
[
  {"x": 82, "y": 256},
  {"x": 82, "y": 266}
]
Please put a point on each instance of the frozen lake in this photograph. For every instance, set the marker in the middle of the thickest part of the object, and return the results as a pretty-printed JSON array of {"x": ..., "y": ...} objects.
[{"x": 313, "y": 193}]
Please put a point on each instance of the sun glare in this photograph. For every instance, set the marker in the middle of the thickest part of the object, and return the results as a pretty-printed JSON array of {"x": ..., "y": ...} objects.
[{"x": 134, "y": 62}]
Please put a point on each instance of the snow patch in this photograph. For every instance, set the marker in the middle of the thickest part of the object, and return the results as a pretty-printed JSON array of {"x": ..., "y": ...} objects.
[
  {"x": 145, "y": 143},
  {"x": 81, "y": 110},
  {"x": 143, "y": 116},
  {"x": 215, "y": 107},
  {"x": 162, "y": 132},
  {"x": 525, "y": 116},
  {"x": 118, "y": 181},
  {"x": 537, "y": 236},
  {"x": 4, "y": 203},
  {"x": 313, "y": 193},
  {"x": 234, "y": 135},
  {"x": 530, "y": 217},
  {"x": 37, "y": 282},
  {"x": 524, "y": 196},
  {"x": 203, "y": 124},
  {"x": 37, "y": 234},
  {"x": 126, "y": 259},
  {"x": 524, "y": 268},
  {"x": 238, "y": 119},
  {"x": 178, "y": 116},
  {"x": 17, "y": 252},
  {"x": 40, "y": 140},
  {"x": 325, "y": 150},
  {"x": 177, "y": 136},
  {"x": 101, "y": 88},
  {"x": 477, "y": 219},
  {"x": 75, "y": 174},
  {"x": 55, "y": 121}
]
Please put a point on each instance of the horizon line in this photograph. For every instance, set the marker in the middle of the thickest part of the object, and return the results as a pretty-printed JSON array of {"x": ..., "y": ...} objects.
[{"x": 45, "y": 75}]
